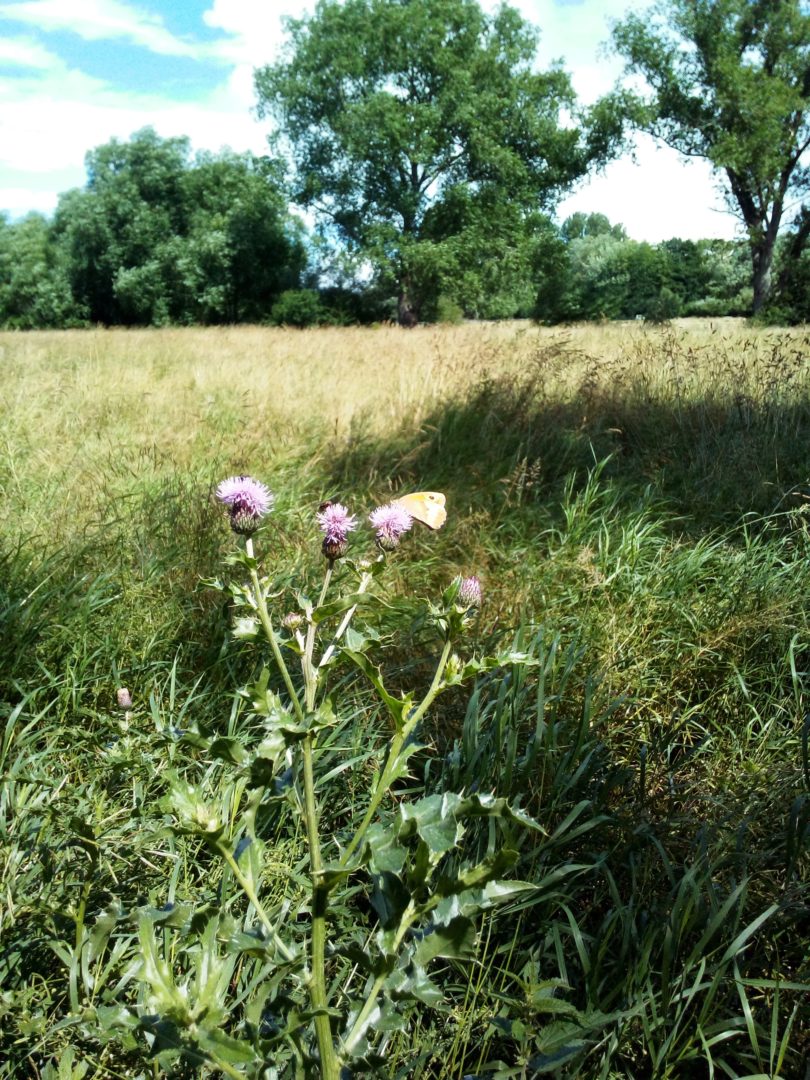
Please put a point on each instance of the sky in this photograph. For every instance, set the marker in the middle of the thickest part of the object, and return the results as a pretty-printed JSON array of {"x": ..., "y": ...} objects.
[{"x": 76, "y": 73}]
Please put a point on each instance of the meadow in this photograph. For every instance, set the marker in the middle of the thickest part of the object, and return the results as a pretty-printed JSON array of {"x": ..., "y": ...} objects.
[{"x": 636, "y": 503}]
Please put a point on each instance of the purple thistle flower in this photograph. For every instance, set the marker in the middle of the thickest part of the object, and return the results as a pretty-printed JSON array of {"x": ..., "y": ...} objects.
[
  {"x": 469, "y": 593},
  {"x": 336, "y": 523},
  {"x": 390, "y": 522},
  {"x": 247, "y": 501}
]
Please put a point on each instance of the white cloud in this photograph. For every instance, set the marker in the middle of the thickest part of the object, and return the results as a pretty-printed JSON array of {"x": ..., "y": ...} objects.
[
  {"x": 17, "y": 201},
  {"x": 24, "y": 52},
  {"x": 253, "y": 36},
  {"x": 52, "y": 114},
  {"x": 99, "y": 20},
  {"x": 253, "y": 27},
  {"x": 48, "y": 131},
  {"x": 656, "y": 197}
]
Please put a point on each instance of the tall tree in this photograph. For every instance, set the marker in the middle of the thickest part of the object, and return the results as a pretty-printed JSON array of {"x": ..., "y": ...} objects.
[
  {"x": 410, "y": 122},
  {"x": 158, "y": 236},
  {"x": 730, "y": 82},
  {"x": 34, "y": 288}
]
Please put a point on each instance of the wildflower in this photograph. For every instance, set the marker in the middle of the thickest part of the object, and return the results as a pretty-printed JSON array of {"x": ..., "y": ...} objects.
[
  {"x": 247, "y": 501},
  {"x": 336, "y": 523},
  {"x": 469, "y": 593},
  {"x": 292, "y": 621},
  {"x": 390, "y": 522}
]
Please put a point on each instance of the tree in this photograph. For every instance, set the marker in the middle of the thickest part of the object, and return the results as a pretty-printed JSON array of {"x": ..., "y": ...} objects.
[
  {"x": 730, "y": 82},
  {"x": 34, "y": 289},
  {"x": 579, "y": 225},
  {"x": 412, "y": 123},
  {"x": 242, "y": 198},
  {"x": 158, "y": 236}
]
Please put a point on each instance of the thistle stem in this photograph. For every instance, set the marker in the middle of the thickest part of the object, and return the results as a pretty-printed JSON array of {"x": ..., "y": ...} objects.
[
  {"x": 347, "y": 618},
  {"x": 227, "y": 1069},
  {"x": 317, "y": 988},
  {"x": 397, "y": 742},
  {"x": 250, "y": 893},
  {"x": 269, "y": 633},
  {"x": 310, "y": 672}
]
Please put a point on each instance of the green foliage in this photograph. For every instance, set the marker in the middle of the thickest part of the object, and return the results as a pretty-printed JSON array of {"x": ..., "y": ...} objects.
[
  {"x": 299, "y": 307},
  {"x": 611, "y": 278},
  {"x": 421, "y": 134},
  {"x": 580, "y": 225},
  {"x": 790, "y": 303},
  {"x": 157, "y": 237},
  {"x": 34, "y": 287},
  {"x": 729, "y": 83},
  {"x": 591, "y": 270},
  {"x": 663, "y": 307},
  {"x": 448, "y": 312}
]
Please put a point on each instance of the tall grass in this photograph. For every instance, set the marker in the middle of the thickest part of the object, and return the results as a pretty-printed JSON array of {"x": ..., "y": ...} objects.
[{"x": 637, "y": 503}]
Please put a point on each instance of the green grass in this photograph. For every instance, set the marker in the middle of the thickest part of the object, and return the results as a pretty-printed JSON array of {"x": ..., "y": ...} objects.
[{"x": 637, "y": 507}]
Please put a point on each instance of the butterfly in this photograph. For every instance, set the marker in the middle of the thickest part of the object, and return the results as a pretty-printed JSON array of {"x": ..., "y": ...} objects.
[{"x": 425, "y": 506}]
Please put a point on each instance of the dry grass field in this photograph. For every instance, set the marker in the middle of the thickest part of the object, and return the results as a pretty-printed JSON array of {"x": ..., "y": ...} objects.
[
  {"x": 170, "y": 380},
  {"x": 80, "y": 408}
]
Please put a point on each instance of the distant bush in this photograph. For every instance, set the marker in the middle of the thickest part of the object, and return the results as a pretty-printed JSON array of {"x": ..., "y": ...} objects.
[
  {"x": 448, "y": 311},
  {"x": 299, "y": 307},
  {"x": 711, "y": 307},
  {"x": 667, "y": 305}
]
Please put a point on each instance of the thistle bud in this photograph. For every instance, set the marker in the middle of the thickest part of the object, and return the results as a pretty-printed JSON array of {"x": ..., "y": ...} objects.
[
  {"x": 469, "y": 593},
  {"x": 334, "y": 549},
  {"x": 453, "y": 668}
]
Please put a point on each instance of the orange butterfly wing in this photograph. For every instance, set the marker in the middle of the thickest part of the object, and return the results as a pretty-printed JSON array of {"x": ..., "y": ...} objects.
[{"x": 426, "y": 506}]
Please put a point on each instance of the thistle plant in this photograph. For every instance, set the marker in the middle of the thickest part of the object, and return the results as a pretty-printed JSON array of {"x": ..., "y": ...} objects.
[{"x": 310, "y": 977}]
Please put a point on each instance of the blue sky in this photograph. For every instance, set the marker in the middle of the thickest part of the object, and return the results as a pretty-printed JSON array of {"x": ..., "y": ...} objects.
[{"x": 76, "y": 73}]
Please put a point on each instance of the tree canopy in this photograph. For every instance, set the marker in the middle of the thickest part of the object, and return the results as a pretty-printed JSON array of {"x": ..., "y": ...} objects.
[
  {"x": 597, "y": 272},
  {"x": 729, "y": 81},
  {"x": 422, "y": 136},
  {"x": 160, "y": 236}
]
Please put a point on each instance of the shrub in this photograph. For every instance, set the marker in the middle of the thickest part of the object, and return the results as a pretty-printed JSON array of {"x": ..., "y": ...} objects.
[{"x": 299, "y": 307}]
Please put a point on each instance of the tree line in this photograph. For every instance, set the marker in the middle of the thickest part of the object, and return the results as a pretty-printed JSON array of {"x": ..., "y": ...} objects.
[{"x": 429, "y": 155}]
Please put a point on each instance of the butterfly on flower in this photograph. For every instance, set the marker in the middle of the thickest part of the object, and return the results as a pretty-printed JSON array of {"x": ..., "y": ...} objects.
[{"x": 425, "y": 506}]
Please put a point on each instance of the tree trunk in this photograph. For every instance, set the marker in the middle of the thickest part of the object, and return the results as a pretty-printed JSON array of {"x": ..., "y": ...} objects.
[
  {"x": 762, "y": 222},
  {"x": 407, "y": 307},
  {"x": 762, "y": 258}
]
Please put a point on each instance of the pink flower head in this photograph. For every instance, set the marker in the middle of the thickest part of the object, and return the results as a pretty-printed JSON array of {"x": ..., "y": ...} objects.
[
  {"x": 390, "y": 522},
  {"x": 469, "y": 593},
  {"x": 336, "y": 523},
  {"x": 247, "y": 501}
]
